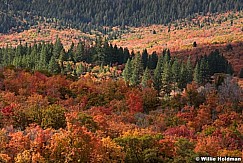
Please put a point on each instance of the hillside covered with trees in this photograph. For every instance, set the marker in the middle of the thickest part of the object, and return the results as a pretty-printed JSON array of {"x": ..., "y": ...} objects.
[
  {"x": 92, "y": 14},
  {"x": 170, "y": 96}
]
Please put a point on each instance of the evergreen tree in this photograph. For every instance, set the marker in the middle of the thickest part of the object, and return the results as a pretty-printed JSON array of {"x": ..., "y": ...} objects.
[
  {"x": 127, "y": 72},
  {"x": 79, "y": 53},
  {"x": 152, "y": 61},
  {"x": 144, "y": 58},
  {"x": 70, "y": 53},
  {"x": 137, "y": 70},
  {"x": 183, "y": 76},
  {"x": 197, "y": 76},
  {"x": 43, "y": 64},
  {"x": 53, "y": 66},
  {"x": 126, "y": 55},
  {"x": 204, "y": 70},
  {"x": 145, "y": 78},
  {"x": 61, "y": 60},
  {"x": 166, "y": 78},
  {"x": 157, "y": 79},
  {"x": 58, "y": 47},
  {"x": 189, "y": 70},
  {"x": 175, "y": 74}
]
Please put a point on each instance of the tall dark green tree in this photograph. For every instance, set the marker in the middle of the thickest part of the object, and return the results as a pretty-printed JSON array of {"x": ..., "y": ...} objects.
[
  {"x": 53, "y": 66},
  {"x": 175, "y": 70},
  {"x": 144, "y": 58},
  {"x": 167, "y": 78},
  {"x": 157, "y": 79},
  {"x": 189, "y": 69},
  {"x": 127, "y": 72},
  {"x": 145, "y": 78},
  {"x": 58, "y": 47},
  {"x": 137, "y": 70},
  {"x": 152, "y": 61}
]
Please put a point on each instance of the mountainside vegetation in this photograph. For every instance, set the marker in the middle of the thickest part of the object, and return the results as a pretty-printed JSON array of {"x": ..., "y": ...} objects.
[
  {"x": 92, "y": 14},
  {"x": 121, "y": 81}
]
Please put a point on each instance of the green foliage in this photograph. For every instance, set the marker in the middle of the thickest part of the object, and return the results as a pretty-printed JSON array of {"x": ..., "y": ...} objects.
[
  {"x": 137, "y": 70},
  {"x": 145, "y": 78},
  {"x": 88, "y": 15},
  {"x": 185, "y": 151},
  {"x": 127, "y": 71},
  {"x": 157, "y": 79},
  {"x": 53, "y": 66},
  {"x": 140, "y": 148}
]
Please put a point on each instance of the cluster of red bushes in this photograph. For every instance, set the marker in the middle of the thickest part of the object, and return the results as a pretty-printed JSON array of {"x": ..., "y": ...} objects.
[{"x": 45, "y": 119}]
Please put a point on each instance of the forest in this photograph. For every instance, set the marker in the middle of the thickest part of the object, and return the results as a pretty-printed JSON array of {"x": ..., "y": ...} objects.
[
  {"x": 102, "y": 103},
  {"x": 87, "y": 15}
]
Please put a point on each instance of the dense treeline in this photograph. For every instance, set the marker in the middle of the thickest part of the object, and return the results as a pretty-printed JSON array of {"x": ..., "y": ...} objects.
[
  {"x": 54, "y": 58},
  {"x": 93, "y": 14},
  {"x": 166, "y": 73},
  {"x": 171, "y": 74}
]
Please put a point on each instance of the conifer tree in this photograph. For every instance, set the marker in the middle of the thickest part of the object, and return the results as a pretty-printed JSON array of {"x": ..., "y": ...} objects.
[
  {"x": 157, "y": 79},
  {"x": 144, "y": 58},
  {"x": 166, "y": 78},
  {"x": 127, "y": 72},
  {"x": 197, "y": 76},
  {"x": 175, "y": 70},
  {"x": 145, "y": 78},
  {"x": 53, "y": 66},
  {"x": 189, "y": 69},
  {"x": 137, "y": 70},
  {"x": 57, "y": 48}
]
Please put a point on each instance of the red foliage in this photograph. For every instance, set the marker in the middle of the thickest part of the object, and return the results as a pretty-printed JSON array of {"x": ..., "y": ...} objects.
[
  {"x": 180, "y": 131},
  {"x": 134, "y": 101}
]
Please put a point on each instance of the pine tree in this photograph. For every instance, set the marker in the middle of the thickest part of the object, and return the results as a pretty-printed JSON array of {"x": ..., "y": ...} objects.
[
  {"x": 175, "y": 74},
  {"x": 58, "y": 47},
  {"x": 183, "y": 76},
  {"x": 145, "y": 78},
  {"x": 127, "y": 72},
  {"x": 43, "y": 59},
  {"x": 166, "y": 78},
  {"x": 53, "y": 66},
  {"x": 144, "y": 58},
  {"x": 204, "y": 70},
  {"x": 79, "y": 53},
  {"x": 152, "y": 61},
  {"x": 197, "y": 76},
  {"x": 126, "y": 55},
  {"x": 137, "y": 70},
  {"x": 157, "y": 79},
  {"x": 189, "y": 69}
]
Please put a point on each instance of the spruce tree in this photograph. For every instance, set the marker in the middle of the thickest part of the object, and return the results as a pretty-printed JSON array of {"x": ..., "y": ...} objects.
[
  {"x": 175, "y": 74},
  {"x": 166, "y": 78},
  {"x": 145, "y": 78},
  {"x": 57, "y": 48},
  {"x": 127, "y": 72},
  {"x": 53, "y": 66},
  {"x": 157, "y": 79},
  {"x": 137, "y": 70},
  {"x": 197, "y": 76},
  {"x": 144, "y": 58},
  {"x": 189, "y": 69}
]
